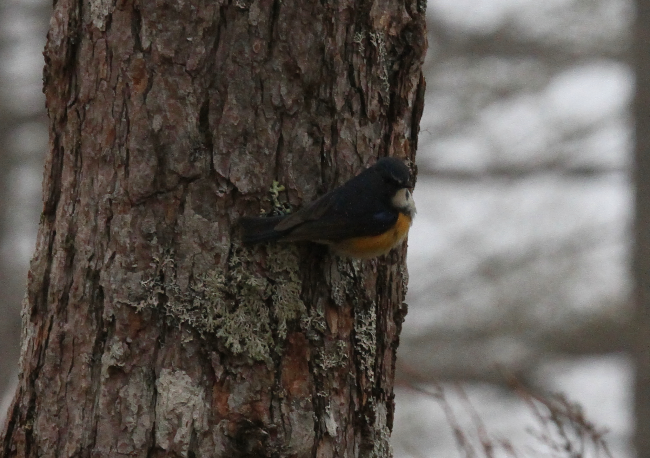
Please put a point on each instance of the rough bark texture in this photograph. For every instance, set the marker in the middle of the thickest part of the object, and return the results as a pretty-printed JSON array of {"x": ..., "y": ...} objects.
[
  {"x": 641, "y": 255},
  {"x": 148, "y": 331}
]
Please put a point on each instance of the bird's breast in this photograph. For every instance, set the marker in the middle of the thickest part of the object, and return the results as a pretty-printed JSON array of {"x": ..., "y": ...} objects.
[{"x": 376, "y": 245}]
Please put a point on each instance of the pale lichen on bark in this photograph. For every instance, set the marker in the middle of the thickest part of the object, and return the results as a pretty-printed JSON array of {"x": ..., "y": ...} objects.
[
  {"x": 365, "y": 333},
  {"x": 180, "y": 411},
  {"x": 247, "y": 311}
]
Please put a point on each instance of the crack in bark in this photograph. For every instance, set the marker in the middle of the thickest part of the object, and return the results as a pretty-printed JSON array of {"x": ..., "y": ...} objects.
[
  {"x": 136, "y": 27},
  {"x": 98, "y": 349},
  {"x": 275, "y": 17}
]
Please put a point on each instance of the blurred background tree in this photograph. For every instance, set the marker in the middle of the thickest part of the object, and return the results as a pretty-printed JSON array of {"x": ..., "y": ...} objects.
[
  {"x": 519, "y": 257},
  {"x": 641, "y": 251}
]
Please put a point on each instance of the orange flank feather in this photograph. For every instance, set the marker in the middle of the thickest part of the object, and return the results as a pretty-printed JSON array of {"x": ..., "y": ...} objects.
[{"x": 376, "y": 245}]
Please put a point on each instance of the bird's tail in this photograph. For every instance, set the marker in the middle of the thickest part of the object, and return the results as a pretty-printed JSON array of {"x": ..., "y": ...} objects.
[{"x": 258, "y": 229}]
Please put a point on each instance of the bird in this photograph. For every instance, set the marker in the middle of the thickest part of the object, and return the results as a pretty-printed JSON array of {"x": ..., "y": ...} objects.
[{"x": 364, "y": 218}]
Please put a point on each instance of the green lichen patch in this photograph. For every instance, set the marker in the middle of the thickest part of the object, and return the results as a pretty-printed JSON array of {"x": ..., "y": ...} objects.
[
  {"x": 286, "y": 286},
  {"x": 342, "y": 281},
  {"x": 313, "y": 323},
  {"x": 247, "y": 306},
  {"x": 279, "y": 208},
  {"x": 378, "y": 41},
  {"x": 333, "y": 355}
]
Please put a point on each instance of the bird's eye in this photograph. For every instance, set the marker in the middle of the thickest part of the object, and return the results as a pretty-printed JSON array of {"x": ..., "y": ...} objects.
[{"x": 407, "y": 194}]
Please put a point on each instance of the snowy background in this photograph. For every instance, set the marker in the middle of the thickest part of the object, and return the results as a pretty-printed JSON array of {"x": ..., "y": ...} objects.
[
  {"x": 519, "y": 253},
  {"x": 518, "y": 258}
]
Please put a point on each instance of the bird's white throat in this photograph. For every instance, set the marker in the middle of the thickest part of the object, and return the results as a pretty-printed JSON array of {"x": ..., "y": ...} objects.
[{"x": 403, "y": 201}]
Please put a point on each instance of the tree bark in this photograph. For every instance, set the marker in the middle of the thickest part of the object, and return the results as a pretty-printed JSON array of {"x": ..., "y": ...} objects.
[{"x": 148, "y": 330}]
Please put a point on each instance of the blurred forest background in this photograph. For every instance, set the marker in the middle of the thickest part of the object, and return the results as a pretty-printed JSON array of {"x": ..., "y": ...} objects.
[{"x": 519, "y": 256}]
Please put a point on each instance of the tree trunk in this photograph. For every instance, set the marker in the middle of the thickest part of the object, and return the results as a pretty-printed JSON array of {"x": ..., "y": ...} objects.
[
  {"x": 641, "y": 254},
  {"x": 148, "y": 330}
]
